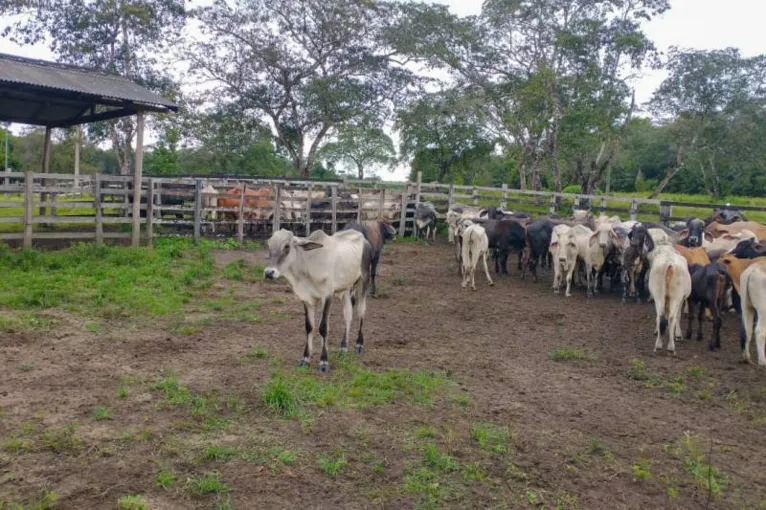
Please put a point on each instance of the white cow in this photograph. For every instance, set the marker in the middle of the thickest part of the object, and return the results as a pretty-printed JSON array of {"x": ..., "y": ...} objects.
[
  {"x": 475, "y": 246},
  {"x": 728, "y": 242},
  {"x": 563, "y": 249},
  {"x": 659, "y": 236},
  {"x": 319, "y": 267},
  {"x": 592, "y": 249},
  {"x": 670, "y": 285},
  {"x": 752, "y": 286}
]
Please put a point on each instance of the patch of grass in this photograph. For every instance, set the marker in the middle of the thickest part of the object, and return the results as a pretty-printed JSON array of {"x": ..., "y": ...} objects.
[
  {"x": 531, "y": 497},
  {"x": 707, "y": 477},
  {"x": 48, "y": 501},
  {"x": 209, "y": 483},
  {"x": 218, "y": 453},
  {"x": 427, "y": 486},
  {"x": 676, "y": 386},
  {"x": 122, "y": 392},
  {"x": 695, "y": 372},
  {"x": 425, "y": 432},
  {"x": 460, "y": 399},
  {"x": 174, "y": 391},
  {"x": 62, "y": 440},
  {"x": 17, "y": 445},
  {"x": 256, "y": 353},
  {"x": 111, "y": 281},
  {"x": 638, "y": 370},
  {"x": 94, "y": 327},
  {"x": 102, "y": 414},
  {"x": 672, "y": 492},
  {"x": 642, "y": 470},
  {"x": 490, "y": 437},
  {"x": 234, "y": 270},
  {"x": 571, "y": 354},
  {"x": 473, "y": 471},
  {"x": 26, "y": 367},
  {"x": 165, "y": 479},
  {"x": 596, "y": 447},
  {"x": 24, "y": 322},
  {"x": 132, "y": 503},
  {"x": 352, "y": 386},
  {"x": 286, "y": 457},
  {"x": 212, "y": 411},
  {"x": 434, "y": 458},
  {"x": 332, "y": 464},
  {"x": 566, "y": 501}
]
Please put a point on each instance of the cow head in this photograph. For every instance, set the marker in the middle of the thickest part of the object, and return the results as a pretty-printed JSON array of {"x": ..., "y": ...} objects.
[
  {"x": 694, "y": 233},
  {"x": 564, "y": 248},
  {"x": 640, "y": 238},
  {"x": 749, "y": 249},
  {"x": 603, "y": 236},
  {"x": 388, "y": 232},
  {"x": 283, "y": 247}
]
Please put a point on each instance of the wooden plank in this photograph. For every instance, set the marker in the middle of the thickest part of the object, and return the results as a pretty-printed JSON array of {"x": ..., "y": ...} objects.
[
  {"x": 241, "y": 217},
  {"x": 139, "y": 166},
  {"x": 77, "y": 140},
  {"x": 504, "y": 196},
  {"x": 28, "y": 205},
  {"x": 334, "y": 207},
  {"x": 13, "y": 175},
  {"x": 276, "y": 217},
  {"x": 55, "y": 220},
  {"x": 149, "y": 212},
  {"x": 403, "y": 213},
  {"x": 65, "y": 205},
  {"x": 99, "y": 211},
  {"x": 11, "y": 236},
  {"x": 198, "y": 210},
  {"x": 12, "y": 204},
  {"x": 381, "y": 202},
  {"x": 308, "y": 211},
  {"x": 46, "y": 163},
  {"x": 359, "y": 206},
  {"x": 116, "y": 178},
  {"x": 12, "y": 188},
  {"x": 14, "y": 219}
]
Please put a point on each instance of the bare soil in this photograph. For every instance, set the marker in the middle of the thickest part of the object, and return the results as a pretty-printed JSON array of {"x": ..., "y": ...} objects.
[{"x": 612, "y": 430}]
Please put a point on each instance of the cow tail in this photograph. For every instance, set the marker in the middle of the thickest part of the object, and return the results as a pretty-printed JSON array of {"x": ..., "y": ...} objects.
[
  {"x": 666, "y": 305},
  {"x": 720, "y": 291}
]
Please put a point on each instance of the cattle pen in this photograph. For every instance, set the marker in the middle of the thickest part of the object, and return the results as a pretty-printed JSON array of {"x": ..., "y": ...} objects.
[{"x": 37, "y": 207}]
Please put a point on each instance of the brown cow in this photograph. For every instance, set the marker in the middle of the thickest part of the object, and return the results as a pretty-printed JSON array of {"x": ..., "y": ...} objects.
[
  {"x": 258, "y": 203},
  {"x": 719, "y": 229}
]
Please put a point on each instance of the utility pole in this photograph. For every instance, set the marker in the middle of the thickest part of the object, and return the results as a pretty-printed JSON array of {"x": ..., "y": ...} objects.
[{"x": 7, "y": 135}]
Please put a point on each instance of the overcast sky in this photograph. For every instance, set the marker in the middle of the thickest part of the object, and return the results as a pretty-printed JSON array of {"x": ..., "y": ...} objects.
[{"x": 700, "y": 24}]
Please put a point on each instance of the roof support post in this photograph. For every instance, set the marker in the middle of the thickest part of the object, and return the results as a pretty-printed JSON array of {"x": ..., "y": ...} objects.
[
  {"x": 77, "y": 141},
  {"x": 136, "y": 238},
  {"x": 46, "y": 163}
]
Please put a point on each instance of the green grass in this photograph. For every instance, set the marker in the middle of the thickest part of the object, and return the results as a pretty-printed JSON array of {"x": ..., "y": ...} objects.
[
  {"x": 707, "y": 477},
  {"x": 436, "y": 459},
  {"x": 256, "y": 353},
  {"x": 642, "y": 470},
  {"x": 332, "y": 464},
  {"x": 165, "y": 479},
  {"x": 427, "y": 486},
  {"x": 62, "y": 440},
  {"x": 24, "y": 322},
  {"x": 218, "y": 453},
  {"x": 425, "y": 432},
  {"x": 111, "y": 281},
  {"x": 638, "y": 370},
  {"x": 490, "y": 436},
  {"x": 209, "y": 483},
  {"x": 132, "y": 503},
  {"x": 571, "y": 354},
  {"x": 351, "y": 386},
  {"x": 48, "y": 501},
  {"x": 695, "y": 372},
  {"x": 102, "y": 413}
]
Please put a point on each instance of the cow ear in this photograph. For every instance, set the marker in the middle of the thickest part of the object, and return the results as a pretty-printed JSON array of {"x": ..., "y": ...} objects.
[
  {"x": 648, "y": 243},
  {"x": 593, "y": 239},
  {"x": 306, "y": 245},
  {"x": 554, "y": 244},
  {"x": 684, "y": 234},
  {"x": 630, "y": 234},
  {"x": 708, "y": 237},
  {"x": 759, "y": 247}
]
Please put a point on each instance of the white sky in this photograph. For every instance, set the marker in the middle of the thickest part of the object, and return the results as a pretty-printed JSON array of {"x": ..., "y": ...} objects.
[{"x": 699, "y": 24}]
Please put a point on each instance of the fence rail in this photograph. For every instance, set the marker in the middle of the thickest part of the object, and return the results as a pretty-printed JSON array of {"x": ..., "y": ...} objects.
[{"x": 39, "y": 206}]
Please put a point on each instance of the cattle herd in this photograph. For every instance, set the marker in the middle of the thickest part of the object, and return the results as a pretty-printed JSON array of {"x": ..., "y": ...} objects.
[{"x": 703, "y": 267}]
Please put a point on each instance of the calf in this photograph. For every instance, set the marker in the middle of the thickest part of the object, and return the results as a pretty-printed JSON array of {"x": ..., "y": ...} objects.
[
  {"x": 319, "y": 267},
  {"x": 670, "y": 286},
  {"x": 634, "y": 262},
  {"x": 376, "y": 233},
  {"x": 425, "y": 219},
  {"x": 749, "y": 249},
  {"x": 592, "y": 248},
  {"x": 504, "y": 237},
  {"x": 708, "y": 291},
  {"x": 563, "y": 247},
  {"x": 538, "y": 243},
  {"x": 693, "y": 255},
  {"x": 475, "y": 246},
  {"x": 717, "y": 229}
]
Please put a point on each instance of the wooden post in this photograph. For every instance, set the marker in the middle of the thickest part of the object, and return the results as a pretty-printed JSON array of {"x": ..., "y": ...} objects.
[
  {"x": 634, "y": 210},
  {"x": 381, "y": 203},
  {"x": 603, "y": 204},
  {"x": 28, "y": 209},
  {"x": 475, "y": 196},
  {"x": 241, "y": 219},
  {"x": 359, "y": 207},
  {"x": 77, "y": 140},
  {"x": 275, "y": 219},
  {"x": 451, "y": 196},
  {"x": 308, "y": 211},
  {"x": 150, "y": 212},
  {"x": 403, "y": 214},
  {"x": 46, "y": 165},
  {"x": 552, "y": 209},
  {"x": 665, "y": 211},
  {"x": 334, "y": 205},
  {"x": 197, "y": 210},
  {"x": 418, "y": 193},
  {"x": 504, "y": 197},
  {"x": 99, "y": 211},
  {"x": 138, "y": 170},
  {"x": 53, "y": 203}
]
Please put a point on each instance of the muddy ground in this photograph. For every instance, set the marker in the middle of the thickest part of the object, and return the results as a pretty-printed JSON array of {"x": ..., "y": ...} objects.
[{"x": 580, "y": 412}]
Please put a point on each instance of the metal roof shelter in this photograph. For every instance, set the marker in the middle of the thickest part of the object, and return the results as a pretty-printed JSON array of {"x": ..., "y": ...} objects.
[{"x": 50, "y": 94}]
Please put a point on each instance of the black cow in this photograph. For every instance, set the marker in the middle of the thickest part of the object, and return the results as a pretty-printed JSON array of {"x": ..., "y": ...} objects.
[
  {"x": 634, "y": 262},
  {"x": 425, "y": 219},
  {"x": 504, "y": 237},
  {"x": 538, "y": 242},
  {"x": 749, "y": 249},
  {"x": 376, "y": 233},
  {"x": 709, "y": 285},
  {"x": 693, "y": 234},
  {"x": 725, "y": 216}
]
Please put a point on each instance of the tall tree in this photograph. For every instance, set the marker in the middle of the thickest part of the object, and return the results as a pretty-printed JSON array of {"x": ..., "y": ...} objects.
[
  {"x": 361, "y": 148},
  {"x": 126, "y": 37},
  {"x": 308, "y": 67}
]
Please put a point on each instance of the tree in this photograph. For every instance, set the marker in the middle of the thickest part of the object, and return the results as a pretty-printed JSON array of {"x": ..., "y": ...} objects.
[
  {"x": 361, "y": 147},
  {"x": 11, "y": 158},
  {"x": 308, "y": 67},
  {"x": 125, "y": 37},
  {"x": 703, "y": 100}
]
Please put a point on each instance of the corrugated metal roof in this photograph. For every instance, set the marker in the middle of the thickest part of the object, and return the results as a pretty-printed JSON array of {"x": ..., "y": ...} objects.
[{"x": 40, "y": 73}]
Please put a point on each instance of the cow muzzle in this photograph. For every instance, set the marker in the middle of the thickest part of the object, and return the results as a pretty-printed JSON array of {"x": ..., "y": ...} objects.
[{"x": 271, "y": 273}]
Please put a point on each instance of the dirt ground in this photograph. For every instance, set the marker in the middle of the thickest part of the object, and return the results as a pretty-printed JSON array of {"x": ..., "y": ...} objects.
[{"x": 615, "y": 427}]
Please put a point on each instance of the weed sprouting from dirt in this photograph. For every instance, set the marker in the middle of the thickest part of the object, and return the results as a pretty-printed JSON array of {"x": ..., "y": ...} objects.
[
  {"x": 425, "y": 432},
  {"x": 279, "y": 396},
  {"x": 676, "y": 386},
  {"x": 48, "y": 501},
  {"x": 24, "y": 322},
  {"x": 26, "y": 367},
  {"x": 490, "y": 437},
  {"x": 695, "y": 372},
  {"x": 132, "y": 503},
  {"x": 642, "y": 470},
  {"x": 707, "y": 477},
  {"x": 174, "y": 391},
  {"x": 638, "y": 370},
  {"x": 596, "y": 447},
  {"x": 571, "y": 354},
  {"x": 165, "y": 479},
  {"x": 332, "y": 464},
  {"x": 218, "y": 453},
  {"x": 234, "y": 270},
  {"x": 122, "y": 392},
  {"x": 209, "y": 483},
  {"x": 256, "y": 353},
  {"x": 62, "y": 440},
  {"x": 474, "y": 471},
  {"x": 434, "y": 458},
  {"x": 102, "y": 414}
]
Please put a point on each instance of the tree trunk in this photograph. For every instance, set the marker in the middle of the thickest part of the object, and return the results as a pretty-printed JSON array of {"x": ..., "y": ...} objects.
[
  {"x": 360, "y": 171},
  {"x": 536, "y": 183},
  {"x": 523, "y": 170},
  {"x": 555, "y": 158},
  {"x": 664, "y": 182}
]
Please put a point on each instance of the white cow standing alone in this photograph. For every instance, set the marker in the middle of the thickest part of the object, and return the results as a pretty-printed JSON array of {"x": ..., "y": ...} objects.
[
  {"x": 670, "y": 285},
  {"x": 475, "y": 246},
  {"x": 319, "y": 267}
]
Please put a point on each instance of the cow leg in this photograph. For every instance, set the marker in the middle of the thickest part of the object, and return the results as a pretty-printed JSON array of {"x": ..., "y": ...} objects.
[
  {"x": 690, "y": 305},
  {"x": 589, "y": 280},
  {"x": 569, "y": 282},
  {"x": 474, "y": 263},
  {"x": 700, "y": 319},
  {"x": 760, "y": 342},
  {"x": 715, "y": 342},
  {"x": 348, "y": 310},
  {"x": 309, "y": 310},
  {"x": 324, "y": 366},
  {"x": 659, "y": 325},
  {"x": 361, "y": 310},
  {"x": 556, "y": 278},
  {"x": 486, "y": 269},
  {"x": 373, "y": 272},
  {"x": 747, "y": 322}
]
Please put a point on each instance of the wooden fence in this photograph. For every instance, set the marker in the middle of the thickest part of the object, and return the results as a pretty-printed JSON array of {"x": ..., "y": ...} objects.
[{"x": 40, "y": 206}]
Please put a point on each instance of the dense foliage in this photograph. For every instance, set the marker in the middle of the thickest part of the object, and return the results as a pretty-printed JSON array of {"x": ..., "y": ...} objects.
[{"x": 532, "y": 93}]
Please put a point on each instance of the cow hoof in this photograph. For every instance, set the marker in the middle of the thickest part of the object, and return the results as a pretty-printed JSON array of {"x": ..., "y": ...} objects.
[
  {"x": 303, "y": 363},
  {"x": 473, "y": 288},
  {"x": 671, "y": 352},
  {"x": 623, "y": 301},
  {"x": 556, "y": 291},
  {"x": 491, "y": 284},
  {"x": 324, "y": 366},
  {"x": 359, "y": 349}
]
